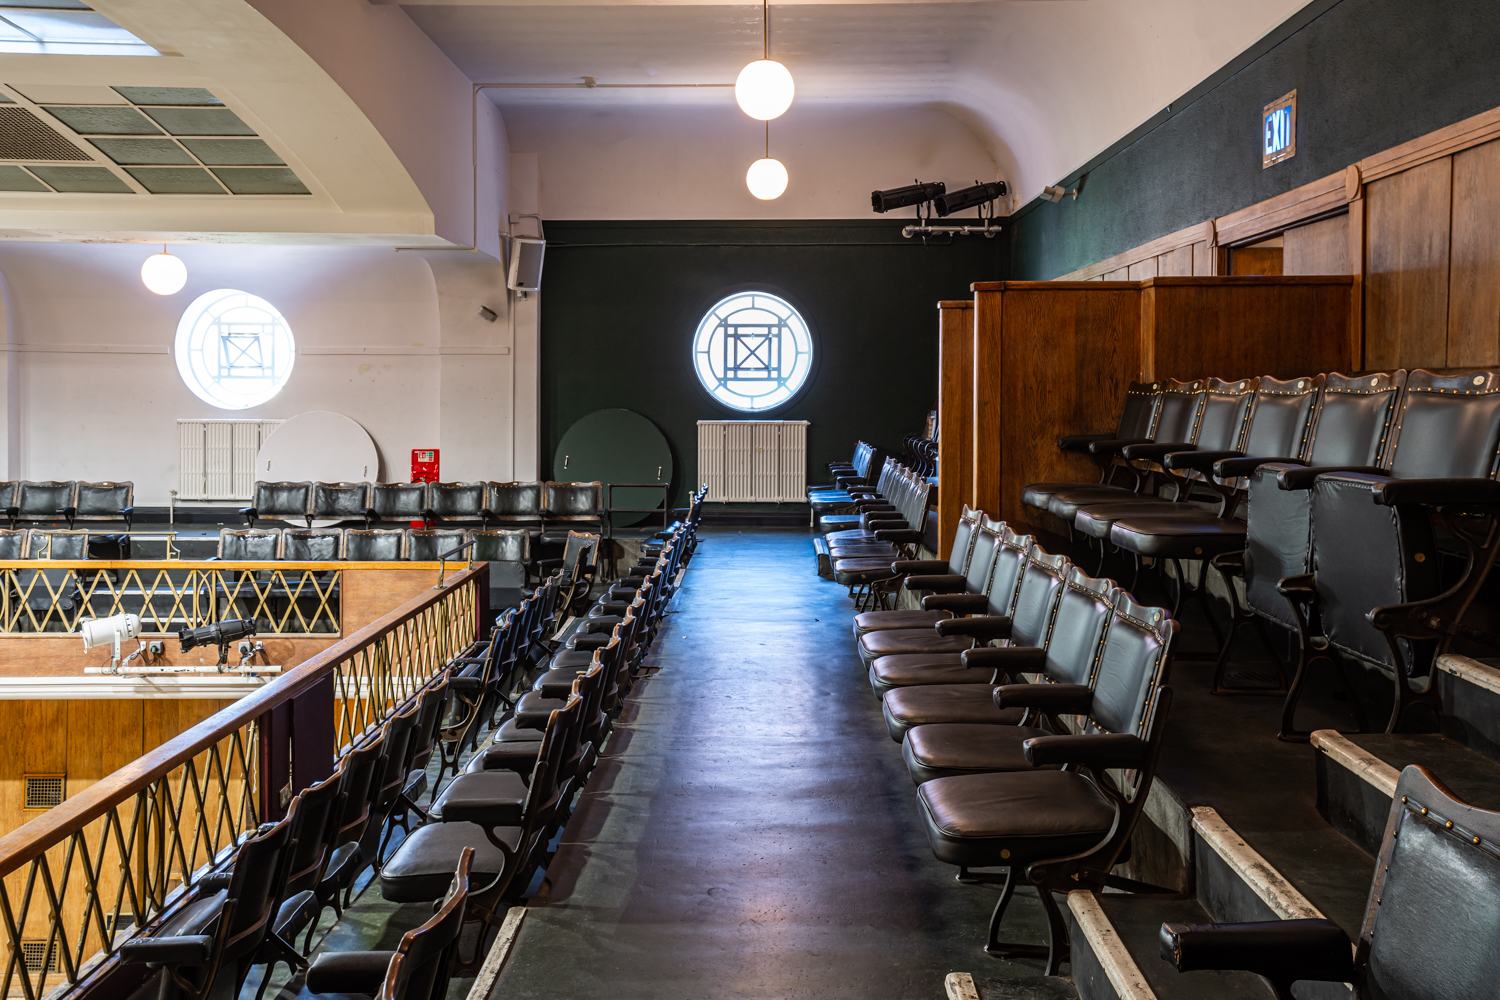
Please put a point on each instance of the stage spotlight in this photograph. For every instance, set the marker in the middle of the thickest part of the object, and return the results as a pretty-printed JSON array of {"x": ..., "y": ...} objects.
[
  {"x": 220, "y": 634},
  {"x": 957, "y": 201},
  {"x": 905, "y": 197}
]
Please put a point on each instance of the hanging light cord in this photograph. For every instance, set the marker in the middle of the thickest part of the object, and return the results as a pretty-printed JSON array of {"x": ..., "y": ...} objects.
[
  {"x": 768, "y": 140},
  {"x": 765, "y": 29}
]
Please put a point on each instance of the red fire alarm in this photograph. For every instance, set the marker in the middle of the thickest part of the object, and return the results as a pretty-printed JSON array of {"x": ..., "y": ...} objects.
[{"x": 424, "y": 465}]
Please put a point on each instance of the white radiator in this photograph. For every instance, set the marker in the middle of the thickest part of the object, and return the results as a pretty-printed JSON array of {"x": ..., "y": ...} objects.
[
  {"x": 216, "y": 458},
  {"x": 753, "y": 461}
]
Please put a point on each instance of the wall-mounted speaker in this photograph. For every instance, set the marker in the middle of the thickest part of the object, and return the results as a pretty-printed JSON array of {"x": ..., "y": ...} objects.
[{"x": 526, "y": 263}]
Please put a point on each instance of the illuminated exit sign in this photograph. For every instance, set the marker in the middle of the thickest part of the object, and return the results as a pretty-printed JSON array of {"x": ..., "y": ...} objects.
[{"x": 1278, "y": 130}]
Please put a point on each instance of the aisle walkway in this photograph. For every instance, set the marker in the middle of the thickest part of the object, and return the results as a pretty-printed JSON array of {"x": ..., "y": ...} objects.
[{"x": 753, "y": 832}]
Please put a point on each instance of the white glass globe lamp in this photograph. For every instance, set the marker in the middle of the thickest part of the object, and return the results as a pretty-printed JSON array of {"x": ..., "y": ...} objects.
[
  {"x": 764, "y": 89},
  {"x": 766, "y": 179},
  {"x": 164, "y": 274}
]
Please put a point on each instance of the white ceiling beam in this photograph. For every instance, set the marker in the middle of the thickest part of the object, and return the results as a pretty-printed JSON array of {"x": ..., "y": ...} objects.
[{"x": 675, "y": 3}]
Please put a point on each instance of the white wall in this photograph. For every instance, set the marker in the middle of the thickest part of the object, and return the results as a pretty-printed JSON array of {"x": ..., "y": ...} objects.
[
  {"x": 627, "y": 162},
  {"x": 385, "y": 337}
]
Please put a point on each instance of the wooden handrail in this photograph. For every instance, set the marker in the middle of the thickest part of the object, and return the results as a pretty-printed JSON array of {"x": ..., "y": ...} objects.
[{"x": 37, "y": 836}]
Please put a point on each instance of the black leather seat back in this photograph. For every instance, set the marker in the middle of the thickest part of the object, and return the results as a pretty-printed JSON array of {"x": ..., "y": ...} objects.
[
  {"x": 581, "y": 545},
  {"x": 1139, "y": 412},
  {"x": 501, "y": 545},
  {"x": 1132, "y": 666},
  {"x": 57, "y": 544},
  {"x": 1352, "y": 417},
  {"x": 1447, "y": 427},
  {"x": 1435, "y": 900},
  {"x": 457, "y": 500},
  {"x": 979, "y": 574},
  {"x": 260, "y": 868},
  {"x": 310, "y": 813},
  {"x": 101, "y": 501},
  {"x": 45, "y": 499},
  {"x": 1036, "y": 599},
  {"x": 1178, "y": 413},
  {"x": 283, "y": 500},
  {"x": 572, "y": 501},
  {"x": 8, "y": 490},
  {"x": 398, "y": 501},
  {"x": 430, "y": 545},
  {"x": 1084, "y": 611},
  {"x": 374, "y": 544},
  {"x": 340, "y": 501},
  {"x": 12, "y": 543},
  {"x": 1010, "y": 563},
  {"x": 1222, "y": 417},
  {"x": 964, "y": 536},
  {"x": 423, "y": 963},
  {"x": 515, "y": 501},
  {"x": 1279, "y": 419},
  {"x": 311, "y": 544},
  {"x": 249, "y": 544}
]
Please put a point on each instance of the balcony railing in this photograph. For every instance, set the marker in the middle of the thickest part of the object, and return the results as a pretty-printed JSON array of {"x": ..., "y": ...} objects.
[{"x": 122, "y": 854}]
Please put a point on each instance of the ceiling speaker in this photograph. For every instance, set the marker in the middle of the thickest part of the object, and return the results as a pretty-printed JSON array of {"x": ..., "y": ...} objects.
[{"x": 526, "y": 263}]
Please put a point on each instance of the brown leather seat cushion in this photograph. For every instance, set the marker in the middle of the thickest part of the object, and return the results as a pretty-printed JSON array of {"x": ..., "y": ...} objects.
[
  {"x": 1183, "y": 536},
  {"x": 1065, "y": 503},
  {"x": 1037, "y": 494},
  {"x": 863, "y": 550},
  {"x": 1013, "y": 818},
  {"x": 907, "y": 669},
  {"x": 1095, "y": 519},
  {"x": 880, "y": 621},
  {"x": 910, "y": 640},
  {"x": 928, "y": 704},
  {"x": 859, "y": 571},
  {"x": 949, "y": 749},
  {"x": 422, "y": 867}
]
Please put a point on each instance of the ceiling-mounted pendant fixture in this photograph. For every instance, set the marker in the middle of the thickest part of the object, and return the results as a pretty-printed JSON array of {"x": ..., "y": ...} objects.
[
  {"x": 764, "y": 88},
  {"x": 164, "y": 274},
  {"x": 766, "y": 178}
]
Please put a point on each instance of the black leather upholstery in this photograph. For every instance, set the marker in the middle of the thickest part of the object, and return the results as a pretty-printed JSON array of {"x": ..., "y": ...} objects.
[
  {"x": 250, "y": 544},
  {"x": 431, "y": 544},
  {"x": 1001, "y": 818},
  {"x": 456, "y": 501},
  {"x": 374, "y": 544},
  {"x": 340, "y": 501},
  {"x": 311, "y": 544},
  {"x": 398, "y": 501}
]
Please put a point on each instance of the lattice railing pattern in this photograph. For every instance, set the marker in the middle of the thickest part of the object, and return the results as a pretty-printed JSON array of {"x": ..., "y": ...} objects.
[
  {"x": 122, "y": 853},
  {"x": 286, "y": 599}
]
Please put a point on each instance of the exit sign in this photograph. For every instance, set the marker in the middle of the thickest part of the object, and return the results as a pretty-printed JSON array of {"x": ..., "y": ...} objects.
[{"x": 1278, "y": 130}]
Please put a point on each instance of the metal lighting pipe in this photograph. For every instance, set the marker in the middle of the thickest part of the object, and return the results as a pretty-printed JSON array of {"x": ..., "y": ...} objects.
[{"x": 987, "y": 231}]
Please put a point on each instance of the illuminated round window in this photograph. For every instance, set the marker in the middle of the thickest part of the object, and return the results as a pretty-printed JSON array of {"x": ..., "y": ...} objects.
[
  {"x": 752, "y": 351},
  {"x": 234, "y": 350}
]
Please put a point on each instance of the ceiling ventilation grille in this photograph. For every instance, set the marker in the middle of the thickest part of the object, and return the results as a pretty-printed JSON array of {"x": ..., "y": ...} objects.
[
  {"x": 24, "y": 136},
  {"x": 43, "y": 791}
]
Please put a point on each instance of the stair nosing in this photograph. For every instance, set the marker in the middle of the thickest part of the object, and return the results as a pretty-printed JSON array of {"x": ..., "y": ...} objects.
[
  {"x": 1255, "y": 871},
  {"x": 1367, "y": 766},
  {"x": 1114, "y": 957},
  {"x": 1470, "y": 670}
]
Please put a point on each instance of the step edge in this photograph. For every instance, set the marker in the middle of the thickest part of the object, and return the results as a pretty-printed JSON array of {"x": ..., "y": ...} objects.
[
  {"x": 1471, "y": 671},
  {"x": 1255, "y": 871},
  {"x": 1366, "y": 765},
  {"x": 960, "y": 986},
  {"x": 1114, "y": 958}
]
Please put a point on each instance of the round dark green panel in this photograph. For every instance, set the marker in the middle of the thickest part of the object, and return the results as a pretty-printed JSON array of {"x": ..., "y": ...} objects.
[{"x": 616, "y": 446}]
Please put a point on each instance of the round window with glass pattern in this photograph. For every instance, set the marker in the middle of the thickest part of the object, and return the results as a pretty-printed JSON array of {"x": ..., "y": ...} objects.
[{"x": 752, "y": 351}]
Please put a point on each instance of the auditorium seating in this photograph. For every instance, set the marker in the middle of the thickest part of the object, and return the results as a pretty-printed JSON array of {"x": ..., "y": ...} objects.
[
  {"x": 555, "y": 507},
  {"x": 71, "y": 501},
  {"x": 507, "y": 550},
  {"x": 860, "y": 556}
]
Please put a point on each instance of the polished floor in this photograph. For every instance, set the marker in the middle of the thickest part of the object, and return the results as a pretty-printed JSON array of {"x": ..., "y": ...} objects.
[{"x": 752, "y": 832}]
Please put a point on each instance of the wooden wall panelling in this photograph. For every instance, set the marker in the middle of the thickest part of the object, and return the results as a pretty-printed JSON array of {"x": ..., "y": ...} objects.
[
  {"x": 1203, "y": 259},
  {"x": 989, "y": 403},
  {"x": 1176, "y": 263},
  {"x": 955, "y": 416},
  {"x": 1407, "y": 234},
  {"x": 1357, "y": 222},
  {"x": 365, "y": 595},
  {"x": 1141, "y": 270},
  {"x": 1320, "y": 247},
  {"x": 1474, "y": 282},
  {"x": 62, "y": 655},
  {"x": 1237, "y": 327}
]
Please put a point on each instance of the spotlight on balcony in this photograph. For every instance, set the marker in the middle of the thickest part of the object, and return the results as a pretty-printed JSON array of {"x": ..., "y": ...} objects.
[
  {"x": 905, "y": 197},
  {"x": 969, "y": 197}
]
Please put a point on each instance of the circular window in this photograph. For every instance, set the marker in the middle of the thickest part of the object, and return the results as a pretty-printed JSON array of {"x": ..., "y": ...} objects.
[
  {"x": 752, "y": 351},
  {"x": 234, "y": 350}
]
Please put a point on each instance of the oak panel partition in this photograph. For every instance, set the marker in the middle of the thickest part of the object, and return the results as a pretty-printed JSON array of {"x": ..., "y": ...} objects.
[
  {"x": 955, "y": 416},
  {"x": 1054, "y": 357}
]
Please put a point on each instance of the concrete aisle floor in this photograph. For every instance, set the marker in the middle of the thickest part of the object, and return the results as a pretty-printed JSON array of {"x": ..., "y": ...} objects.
[{"x": 752, "y": 832}]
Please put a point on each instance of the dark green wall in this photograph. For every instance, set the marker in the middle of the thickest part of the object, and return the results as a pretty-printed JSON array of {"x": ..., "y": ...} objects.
[
  {"x": 1369, "y": 75},
  {"x": 622, "y": 299}
]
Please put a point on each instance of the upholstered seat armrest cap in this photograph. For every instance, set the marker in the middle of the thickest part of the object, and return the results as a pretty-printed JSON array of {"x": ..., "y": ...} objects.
[
  {"x": 485, "y": 812},
  {"x": 1073, "y": 699},
  {"x": 844, "y": 482},
  {"x": 127, "y": 510},
  {"x": 1098, "y": 751},
  {"x": 1434, "y": 492},
  {"x": 1110, "y": 446},
  {"x": 186, "y": 949},
  {"x": 14, "y": 511},
  {"x": 944, "y": 583},
  {"x": 348, "y": 972},
  {"x": 1231, "y": 468},
  {"x": 922, "y": 566},
  {"x": 67, "y": 511},
  {"x": 876, "y": 503},
  {"x": 1284, "y": 951},
  {"x": 246, "y": 511},
  {"x": 959, "y": 604},
  {"x": 1079, "y": 442},
  {"x": 465, "y": 684},
  {"x": 591, "y": 642},
  {"x": 1304, "y": 477},
  {"x": 895, "y": 524},
  {"x": 214, "y": 881},
  {"x": 982, "y": 628},
  {"x": 897, "y": 534},
  {"x": 1199, "y": 461},
  {"x": 1156, "y": 450},
  {"x": 1011, "y": 659}
]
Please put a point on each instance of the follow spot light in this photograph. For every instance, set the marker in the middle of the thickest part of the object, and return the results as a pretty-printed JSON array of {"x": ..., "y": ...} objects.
[
  {"x": 110, "y": 632},
  {"x": 957, "y": 201},
  {"x": 905, "y": 197}
]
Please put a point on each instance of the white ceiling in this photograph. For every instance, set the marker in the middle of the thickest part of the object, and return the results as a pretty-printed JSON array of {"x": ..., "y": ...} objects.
[{"x": 1047, "y": 84}]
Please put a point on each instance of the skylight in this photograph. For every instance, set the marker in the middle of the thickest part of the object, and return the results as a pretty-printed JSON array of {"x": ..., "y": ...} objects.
[{"x": 64, "y": 27}]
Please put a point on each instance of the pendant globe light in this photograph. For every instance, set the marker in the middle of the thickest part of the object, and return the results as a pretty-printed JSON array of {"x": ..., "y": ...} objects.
[
  {"x": 767, "y": 177},
  {"x": 164, "y": 274},
  {"x": 764, "y": 88}
]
